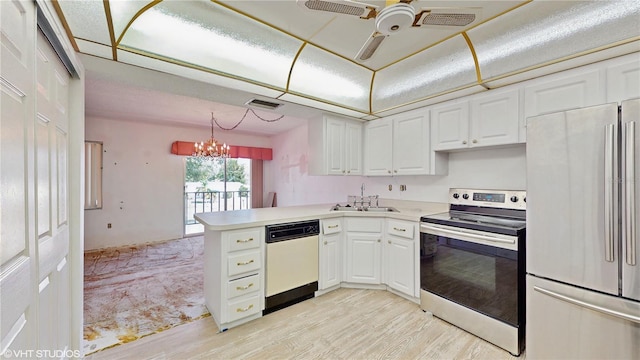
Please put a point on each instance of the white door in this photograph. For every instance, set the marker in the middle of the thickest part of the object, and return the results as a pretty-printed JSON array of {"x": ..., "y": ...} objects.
[
  {"x": 330, "y": 260},
  {"x": 399, "y": 266},
  {"x": 572, "y": 197},
  {"x": 495, "y": 119},
  {"x": 450, "y": 126},
  {"x": 335, "y": 147},
  {"x": 363, "y": 258},
  {"x": 34, "y": 223},
  {"x": 411, "y": 145},
  {"x": 353, "y": 148},
  {"x": 631, "y": 199},
  {"x": 378, "y": 140}
]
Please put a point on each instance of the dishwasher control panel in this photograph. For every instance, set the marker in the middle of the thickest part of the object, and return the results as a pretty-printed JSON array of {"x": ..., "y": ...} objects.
[{"x": 294, "y": 230}]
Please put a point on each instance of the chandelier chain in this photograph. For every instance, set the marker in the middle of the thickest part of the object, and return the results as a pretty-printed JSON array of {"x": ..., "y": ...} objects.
[{"x": 243, "y": 117}]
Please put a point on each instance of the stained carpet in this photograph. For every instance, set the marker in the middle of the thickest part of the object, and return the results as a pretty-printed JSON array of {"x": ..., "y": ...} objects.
[{"x": 134, "y": 291}]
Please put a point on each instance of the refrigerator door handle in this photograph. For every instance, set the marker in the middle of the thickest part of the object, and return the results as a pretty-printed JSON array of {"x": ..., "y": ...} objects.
[
  {"x": 609, "y": 198},
  {"x": 600, "y": 309},
  {"x": 630, "y": 197}
]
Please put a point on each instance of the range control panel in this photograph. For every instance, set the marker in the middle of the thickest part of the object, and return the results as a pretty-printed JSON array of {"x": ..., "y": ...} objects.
[{"x": 506, "y": 199}]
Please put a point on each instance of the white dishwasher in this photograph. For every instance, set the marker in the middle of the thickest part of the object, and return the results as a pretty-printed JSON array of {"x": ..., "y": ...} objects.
[{"x": 292, "y": 263}]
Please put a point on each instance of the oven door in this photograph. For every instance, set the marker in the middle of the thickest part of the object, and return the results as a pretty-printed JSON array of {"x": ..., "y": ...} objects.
[{"x": 477, "y": 270}]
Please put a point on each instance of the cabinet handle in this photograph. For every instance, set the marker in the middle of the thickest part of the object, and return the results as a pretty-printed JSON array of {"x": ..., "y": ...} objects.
[
  {"x": 349, "y": 172},
  {"x": 245, "y": 309},
  {"x": 389, "y": 171},
  {"x": 475, "y": 141},
  {"x": 343, "y": 171},
  {"x": 389, "y": 241},
  {"x": 378, "y": 240},
  {"x": 398, "y": 229},
  {"x": 325, "y": 242},
  {"x": 244, "y": 287},
  {"x": 464, "y": 142},
  {"x": 244, "y": 241},
  {"x": 395, "y": 171},
  {"x": 332, "y": 226},
  {"x": 245, "y": 262}
]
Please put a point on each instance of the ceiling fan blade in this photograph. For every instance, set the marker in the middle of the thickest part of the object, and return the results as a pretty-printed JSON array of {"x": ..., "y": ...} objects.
[
  {"x": 345, "y": 7},
  {"x": 446, "y": 17},
  {"x": 369, "y": 48}
]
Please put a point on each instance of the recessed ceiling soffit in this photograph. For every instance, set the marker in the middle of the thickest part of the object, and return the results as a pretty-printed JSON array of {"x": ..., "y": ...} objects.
[{"x": 310, "y": 56}]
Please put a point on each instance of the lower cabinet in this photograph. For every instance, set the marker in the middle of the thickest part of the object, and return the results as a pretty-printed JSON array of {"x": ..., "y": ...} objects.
[
  {"x": 364, "y": 248},
  {"x": 400, "y": 264},
  {"x": 233, "y": 275},
  {"x": 331, "y": 243}
]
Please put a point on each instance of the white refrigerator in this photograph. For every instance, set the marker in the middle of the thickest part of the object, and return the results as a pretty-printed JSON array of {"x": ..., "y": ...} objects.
[{"x": 583, "y": 269}]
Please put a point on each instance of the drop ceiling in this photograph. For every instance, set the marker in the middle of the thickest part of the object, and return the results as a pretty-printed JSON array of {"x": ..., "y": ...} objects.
[{"x": 282, "y": 51}]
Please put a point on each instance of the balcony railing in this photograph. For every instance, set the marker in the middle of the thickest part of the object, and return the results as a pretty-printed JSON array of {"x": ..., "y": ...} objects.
[{"x": 210, "y": 201}]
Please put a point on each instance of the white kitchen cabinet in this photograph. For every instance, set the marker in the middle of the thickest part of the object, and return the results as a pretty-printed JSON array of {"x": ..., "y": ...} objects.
[
  {"x": 400, "y": 145},
  {"x": 623, "y": 79},
  {"x": 489, "y": 119},
  {"x": 400, "y": 265},
  {"x": 450, "y": 126},
  {"x": 330, "y": 253},
  {"x": 363, "y": 250},
  {"x": 378, "y": 148},
  {"x": 233, "y": 275},
  {"x": 335, "y": 146},
  {"x": 564, "y": 91}
]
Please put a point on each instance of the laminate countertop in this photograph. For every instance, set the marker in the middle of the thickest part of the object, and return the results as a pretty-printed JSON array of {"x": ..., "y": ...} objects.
[{"x": 238, "y": 219}]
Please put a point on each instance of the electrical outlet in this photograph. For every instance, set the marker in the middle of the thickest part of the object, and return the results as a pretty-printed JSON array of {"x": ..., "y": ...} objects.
[
  {"x": 109, "y": 226},
  {"x": 403, "y": 187}
]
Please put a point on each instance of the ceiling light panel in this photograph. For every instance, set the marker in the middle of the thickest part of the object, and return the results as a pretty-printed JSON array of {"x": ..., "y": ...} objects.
[
  {"x": 122, "y": 11},
  {"x": 201, "y": 33},
  {"x": 323, "y": 75},
  {"x": 543, "y": 32},
  {"x": 439, "y": 69},
  {"x": 87, "y": 20}
]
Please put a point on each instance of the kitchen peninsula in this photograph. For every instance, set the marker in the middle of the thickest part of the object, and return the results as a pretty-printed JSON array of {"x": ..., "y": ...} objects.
[{"x": 351, "y": 251}]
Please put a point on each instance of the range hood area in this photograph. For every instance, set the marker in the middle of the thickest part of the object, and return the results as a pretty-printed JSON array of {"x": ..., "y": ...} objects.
[{"x": 218, "y": 43}]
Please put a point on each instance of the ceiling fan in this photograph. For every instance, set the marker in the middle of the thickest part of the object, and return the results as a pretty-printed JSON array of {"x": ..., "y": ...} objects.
[{"x": 396, "y": 16}]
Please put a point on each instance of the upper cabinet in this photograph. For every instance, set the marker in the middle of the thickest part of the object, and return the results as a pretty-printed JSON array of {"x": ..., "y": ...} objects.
[
  {"x": 400, "y": 145},
  {"x": 485, "y": 120},
  {"x": 623, "y": 79},
  {"x": 335, "y": 146}
]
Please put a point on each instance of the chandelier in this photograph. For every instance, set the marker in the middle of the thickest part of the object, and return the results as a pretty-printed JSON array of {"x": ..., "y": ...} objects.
[{"x": 211, "y": 148}]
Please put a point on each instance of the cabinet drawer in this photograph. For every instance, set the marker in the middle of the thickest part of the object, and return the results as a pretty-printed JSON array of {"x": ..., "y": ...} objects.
[
  {"x": 245, "y": 262},
  {"x": 331, "y": 226},
  {"x": 400, "y": 228},
  {"x": 246, "y": 285},
  {"x": 364, "y": 225},
  {"x": 243, "y": 239},
  {"x": 243, "y": 308}
]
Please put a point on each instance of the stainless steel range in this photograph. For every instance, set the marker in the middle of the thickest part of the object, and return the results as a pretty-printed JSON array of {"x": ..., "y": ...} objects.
[{"x": 472, "y": 265}]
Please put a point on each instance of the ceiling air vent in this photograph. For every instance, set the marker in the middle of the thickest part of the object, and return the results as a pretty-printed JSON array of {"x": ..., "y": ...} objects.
[{"x": 263, "y": 104}]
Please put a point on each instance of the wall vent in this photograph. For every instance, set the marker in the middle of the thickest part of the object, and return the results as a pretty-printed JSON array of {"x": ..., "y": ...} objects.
[{"x": 263, "y": 104}]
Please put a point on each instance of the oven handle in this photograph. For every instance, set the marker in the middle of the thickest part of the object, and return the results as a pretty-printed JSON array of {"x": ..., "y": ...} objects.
[{"x": 461, "y": 233}]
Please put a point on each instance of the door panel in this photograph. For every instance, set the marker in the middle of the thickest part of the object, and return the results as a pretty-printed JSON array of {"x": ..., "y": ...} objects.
[
  {"x": 17, "y": 216},
  {"x": 561, "y": 324},
  {"x": 566, "y": 202},
  {"x": 631, "y": 199}
]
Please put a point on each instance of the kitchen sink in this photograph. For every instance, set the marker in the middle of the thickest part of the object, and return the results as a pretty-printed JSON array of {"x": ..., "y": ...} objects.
[{"x": 370, "y": 209}]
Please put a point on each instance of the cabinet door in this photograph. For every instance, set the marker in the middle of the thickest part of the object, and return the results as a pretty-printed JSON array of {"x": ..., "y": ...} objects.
[
  {"x": 363, "y": 258},
  {"x": 555, "y": 93},
  {"x": 335, "y": 147},
  {"x": 494, "y": 119},
  {"x": 623, "y": 81},
  {"x": 411, "y": 145},
  {"x": 450, "y": 126},
  {"x": 330, "y": 260},
  {"x": 353, "y": 148},
  {"x": 399, "y": 264},
  {"x": 377, "y": 151}
]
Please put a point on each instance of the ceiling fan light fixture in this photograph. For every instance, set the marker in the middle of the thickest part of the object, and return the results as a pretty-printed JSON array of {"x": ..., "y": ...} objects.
[{"x": 395, "y": 18}]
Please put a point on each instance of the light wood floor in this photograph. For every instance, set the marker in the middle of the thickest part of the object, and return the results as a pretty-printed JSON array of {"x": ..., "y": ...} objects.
[{"x": 343, "y": 324}]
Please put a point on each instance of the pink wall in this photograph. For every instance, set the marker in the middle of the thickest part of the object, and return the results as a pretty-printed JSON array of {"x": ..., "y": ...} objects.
[{"x": 287, "y": 174}]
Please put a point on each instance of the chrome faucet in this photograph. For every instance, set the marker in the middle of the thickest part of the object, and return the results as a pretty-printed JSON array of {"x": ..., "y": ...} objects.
[{"x": 362, "y": 193}]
